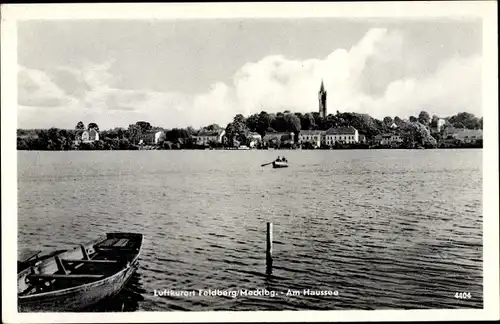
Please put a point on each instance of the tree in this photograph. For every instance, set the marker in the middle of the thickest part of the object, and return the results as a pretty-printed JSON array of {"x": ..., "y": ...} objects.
[
  {"x": 94, "y": 126},
  {"x": 424, "y": 118},
  {"x": 387, "y": 121},
  {"x": 293, "y": 125},
  {"x": 237, "y": 129},
  {"x": 300, "y": 116},
  {"x": 175, "y": 134},
  {"x": 264, "y": 121},
  {"x": 134, "y": 133},
  {"x": 307, "y": 121},
  {"x": 465, "y": 120},
  {"x": 22, "y": 144},
  {"x": 239, "y": 123},
  {"x": 144, "y": 125},
  {"x": 80, "y": 126},
  {"x": 413, "y": 119},
  {"x": 116, "y": 132},
  {"x": 398, "y": 121},
  {"x": 252, "y": 122},
  {"x": 434, "y": 121},
  {"x": 318, "y": 120},
  {"x": 190, "y": 130},
  {"x": 279, "y": 123},
  {"x": 213, "y": 128},
  {"x": 332, "y": 121},
  {"x": 418, "y": 133}
]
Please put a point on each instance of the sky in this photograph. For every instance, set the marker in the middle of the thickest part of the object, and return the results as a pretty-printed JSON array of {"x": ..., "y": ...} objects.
[{"x": 179, "y": 73}]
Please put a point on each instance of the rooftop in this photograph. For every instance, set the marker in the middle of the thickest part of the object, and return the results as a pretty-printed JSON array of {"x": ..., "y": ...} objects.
[
  {"x": 276, "y": 134},
  {"x": 469, "y": 132},
  {"x": 311, "y": 132},
  {"x": 341, "y": 131},
  {"x": 206, "y": 133}
]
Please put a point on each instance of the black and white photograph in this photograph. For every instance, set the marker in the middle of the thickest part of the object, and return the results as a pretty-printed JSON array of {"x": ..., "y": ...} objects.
[{"x": 265, "y": 162}]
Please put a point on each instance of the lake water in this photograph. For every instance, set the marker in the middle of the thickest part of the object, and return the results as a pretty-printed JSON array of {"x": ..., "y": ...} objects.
[{"x": 387, "y": 229}]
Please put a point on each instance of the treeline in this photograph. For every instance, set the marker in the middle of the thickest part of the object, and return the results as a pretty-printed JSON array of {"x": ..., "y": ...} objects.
[{"x": 415, "y": 129}]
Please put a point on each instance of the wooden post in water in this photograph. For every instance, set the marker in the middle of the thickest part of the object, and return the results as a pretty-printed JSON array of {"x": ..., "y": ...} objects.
[{"x": 269, "y": 249}]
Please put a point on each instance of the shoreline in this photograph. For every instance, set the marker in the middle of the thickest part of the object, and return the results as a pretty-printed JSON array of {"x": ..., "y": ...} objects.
[{"x": 271, "y": 149}]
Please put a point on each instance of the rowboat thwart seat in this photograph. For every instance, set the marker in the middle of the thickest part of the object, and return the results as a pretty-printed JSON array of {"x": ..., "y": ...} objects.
[
  {"x": 114, "y": 242},
  {"x": 108, "y": 242},
  {"x": 121, "y": 242}
]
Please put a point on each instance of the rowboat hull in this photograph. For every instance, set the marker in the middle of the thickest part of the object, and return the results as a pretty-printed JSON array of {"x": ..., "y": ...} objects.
[
  {"x": 77, "y": 297},
  {"x": 277, "y": 165}
]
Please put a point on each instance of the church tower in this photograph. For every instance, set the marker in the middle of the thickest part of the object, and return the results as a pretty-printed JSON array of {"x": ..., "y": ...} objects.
[{"x": 322, "y": 101}]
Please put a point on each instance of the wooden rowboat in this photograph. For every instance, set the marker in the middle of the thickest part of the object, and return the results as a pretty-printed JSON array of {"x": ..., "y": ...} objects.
[
  {"x": 280, "y": 164},
  {"x": 79, "y": 278}
]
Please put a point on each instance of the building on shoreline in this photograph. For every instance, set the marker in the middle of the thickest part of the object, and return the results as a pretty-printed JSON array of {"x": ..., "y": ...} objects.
[
  {"x": 148, "y": 138},
  {"x": 207, "y": 137},
  {"x": 468, "y": 135},
  {"x": 441, "y": 122},
  {"x": 159, "y": 137},
  {"x": 388, "y": 139},
  {"x": 313, "y": 137},
  {"x": 345, "y": 135},
  {"x": 279, "y": 138},
  {"x": 90, "y": 135},
  {"x": 254, "y": 139}
]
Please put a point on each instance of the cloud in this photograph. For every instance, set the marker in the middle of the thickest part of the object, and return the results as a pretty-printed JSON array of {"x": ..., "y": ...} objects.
[
  {"x": 454, "y": 87},
  {"x": 37, "y": 89},
  {"x": 71, "y": 81},
  {"x": 374, "y": 76}
]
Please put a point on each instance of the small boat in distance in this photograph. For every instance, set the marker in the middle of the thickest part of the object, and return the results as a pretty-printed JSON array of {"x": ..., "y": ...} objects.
[
  {"x": 81, "y": 277},
  {"x": 280, "y": 164}
]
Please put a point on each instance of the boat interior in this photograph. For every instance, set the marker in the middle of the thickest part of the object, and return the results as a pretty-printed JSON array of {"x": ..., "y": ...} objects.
[{"x": 81, "y": 265}]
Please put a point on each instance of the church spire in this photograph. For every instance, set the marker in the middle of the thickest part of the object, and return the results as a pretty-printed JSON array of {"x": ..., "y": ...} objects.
[
  {"x": 322, "y": 100},
  {"x": 322, "y": 88}
]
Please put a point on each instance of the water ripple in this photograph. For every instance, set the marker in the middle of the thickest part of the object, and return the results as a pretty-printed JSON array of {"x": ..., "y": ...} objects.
[{"x": 388, "y": 229}]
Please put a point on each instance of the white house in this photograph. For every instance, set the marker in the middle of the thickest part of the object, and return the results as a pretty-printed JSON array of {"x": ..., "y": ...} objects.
[
  {"x": 388, "y": 139},
  {"x": 396, "y": 138},
  {"x": 341, "y": 135},
  {"x": 450, "y": 131},
  {"x": 441, "y": 122},
  {"x": 469, "y": 135},
  {"x": 311, "y": 136},
  {"x": 90, "y": 135},
  {"x": 159, "y": 136},
  {"x": 253, "y": 138},
  {"x": 204, "y": 137}
]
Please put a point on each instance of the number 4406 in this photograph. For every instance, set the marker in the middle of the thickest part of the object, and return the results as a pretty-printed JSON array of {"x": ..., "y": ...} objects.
[{"x": 463, "y": 295}]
